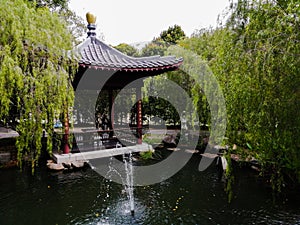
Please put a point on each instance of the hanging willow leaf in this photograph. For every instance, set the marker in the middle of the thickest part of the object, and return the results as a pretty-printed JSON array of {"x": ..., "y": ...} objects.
[
  {"x": 34, "y": 73},
  {"x": 256, "y": 60}
]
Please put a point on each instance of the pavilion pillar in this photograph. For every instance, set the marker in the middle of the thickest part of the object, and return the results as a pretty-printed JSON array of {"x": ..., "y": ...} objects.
[
  {"x": 111, "y": 108},
  {"x": 139, "y": 115},
  {"x": 66, "y": 148}
]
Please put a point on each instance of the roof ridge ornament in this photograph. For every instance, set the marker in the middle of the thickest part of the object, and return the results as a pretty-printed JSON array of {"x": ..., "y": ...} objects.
[{"x": 91, "y": 19}]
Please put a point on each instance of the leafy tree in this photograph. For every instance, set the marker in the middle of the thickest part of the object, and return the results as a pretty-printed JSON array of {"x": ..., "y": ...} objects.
[
  {"x": 158, "y": 107},
  {"x": 76, "y": 24},
  {"x": 156, "y": 47},
  {"x": 52, "y": 4},
  {"x": 159, "y": 45},
  {"x": 34, "y": 73},
  {"x": 173, "y": 34},
  {"x": 255, "y": 58},
  {"x": 256, "y": 61},
  {"x": 127, "y": 49}
]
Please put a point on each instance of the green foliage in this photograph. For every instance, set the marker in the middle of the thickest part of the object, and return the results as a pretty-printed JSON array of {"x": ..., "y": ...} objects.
[
  {"x": 127, "y": 49},
  {"x": 156, "y": 47},
  {"x": 256, "y": 60},
  {"x": 34, "y": 73},
  {"x": 229, "y": 177},
  {"x": 52, "y": 4},
  {"x": 192, "y": 88},
  {"x": 146, "y": 155},
  {"x": 159, "y": 45},
  {"x": 263, "y": 94},
  {"x": 158, "y": 107},
  {"x": 172, "y": 35},
  {"x": 152, "y": 139},
  {"x": 76, "y": 24}
]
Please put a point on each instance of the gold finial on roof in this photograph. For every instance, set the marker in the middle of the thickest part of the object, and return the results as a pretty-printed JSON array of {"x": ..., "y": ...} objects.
[{"x": 91, "y": 18}]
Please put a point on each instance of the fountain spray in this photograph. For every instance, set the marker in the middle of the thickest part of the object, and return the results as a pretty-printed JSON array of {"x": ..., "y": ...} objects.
[{"x": 129, "y": 181}]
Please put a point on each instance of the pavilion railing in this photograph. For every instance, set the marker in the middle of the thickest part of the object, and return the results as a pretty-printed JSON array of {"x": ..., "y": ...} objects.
[{"x": 91, "y": 139}]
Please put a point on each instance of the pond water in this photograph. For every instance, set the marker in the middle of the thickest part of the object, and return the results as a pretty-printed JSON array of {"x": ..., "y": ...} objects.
[{"x": 189, "y": 197}]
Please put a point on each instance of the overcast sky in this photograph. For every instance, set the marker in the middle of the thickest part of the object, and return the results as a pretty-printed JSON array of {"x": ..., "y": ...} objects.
[{"x": 131, "y": 21}]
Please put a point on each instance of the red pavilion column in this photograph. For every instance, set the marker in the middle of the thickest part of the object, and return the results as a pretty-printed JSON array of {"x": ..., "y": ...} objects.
[
  {"x": 111, "y": 107},
  {"x": 66, "y": 148},
  {"x": 139, "y": 116}
]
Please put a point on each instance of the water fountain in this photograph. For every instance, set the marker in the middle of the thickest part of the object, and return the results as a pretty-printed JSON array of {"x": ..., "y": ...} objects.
[
  {"x": 128, "y": 181},
  {"x": 127, "y": 159}
]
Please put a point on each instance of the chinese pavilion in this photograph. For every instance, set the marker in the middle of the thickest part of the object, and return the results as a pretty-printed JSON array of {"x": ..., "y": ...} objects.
[{"x": 101, "y": 65}]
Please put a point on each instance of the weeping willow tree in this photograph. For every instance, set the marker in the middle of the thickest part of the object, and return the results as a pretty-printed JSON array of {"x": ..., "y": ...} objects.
[
  {"x": 255, "y": 57},
  {"x": 261, "y": 58},
  {"x": 35, "y": 80}
]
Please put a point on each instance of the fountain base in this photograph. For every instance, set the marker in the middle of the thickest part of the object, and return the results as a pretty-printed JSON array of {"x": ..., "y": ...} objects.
[{"x": 132, "y": 212}]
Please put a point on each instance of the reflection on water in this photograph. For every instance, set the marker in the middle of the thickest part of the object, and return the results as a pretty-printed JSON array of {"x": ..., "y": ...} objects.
[{"x": 190, "y": 197}]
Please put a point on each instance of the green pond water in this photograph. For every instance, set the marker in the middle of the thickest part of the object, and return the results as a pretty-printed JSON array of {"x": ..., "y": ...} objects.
[{"x": 189, "y": 197}]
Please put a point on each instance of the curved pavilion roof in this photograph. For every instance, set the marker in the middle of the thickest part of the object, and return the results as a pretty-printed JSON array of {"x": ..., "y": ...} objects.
[
  {"x": 112, "y": 68},
  {"x": 94, "y": 53}
]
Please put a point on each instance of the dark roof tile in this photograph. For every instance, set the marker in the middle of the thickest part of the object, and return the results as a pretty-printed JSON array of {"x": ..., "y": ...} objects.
[{"x": 94, "y": 52}]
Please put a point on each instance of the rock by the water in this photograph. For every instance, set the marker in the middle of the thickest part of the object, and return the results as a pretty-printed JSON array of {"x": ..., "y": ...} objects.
[
  {"x": 54, "y": 166},
  {"x": 209, "y": 155},
  {"x": 170, "y": 139},
  {"x": 173, "y": 149},
  {"x": 191, "y": 151},
  {"x": 78, "y": 164},
  {"x": 67, "y": 165}
]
